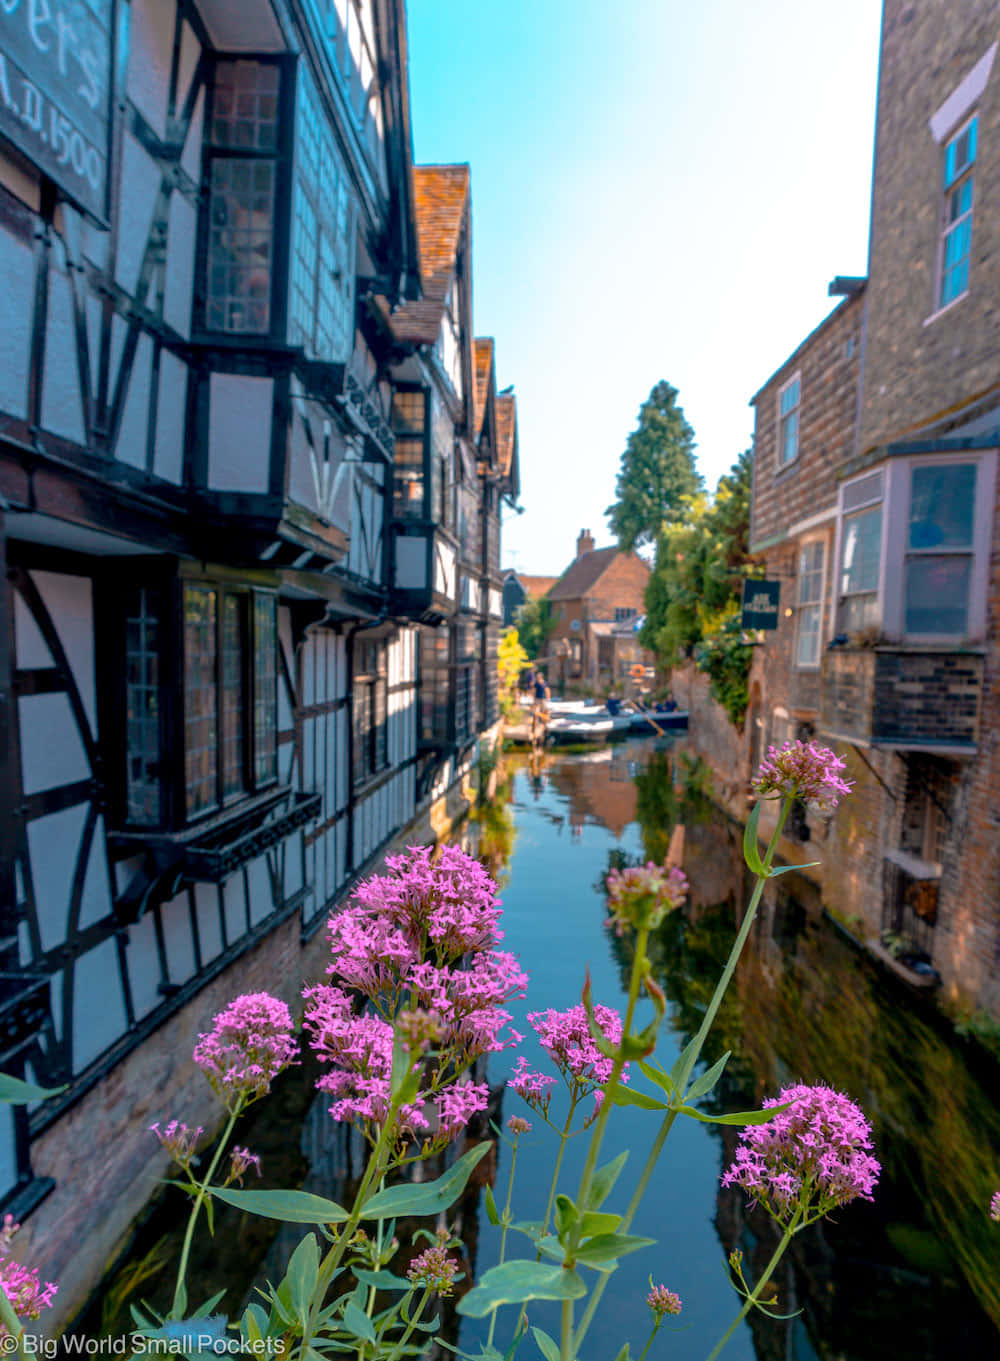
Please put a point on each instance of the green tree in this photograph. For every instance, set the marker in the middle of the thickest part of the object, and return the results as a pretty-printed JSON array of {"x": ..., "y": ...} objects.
[
  {"x": 536, "y": 623},
  {"x": 657, "y": 471},
  {"x": 511, "y": 661}
]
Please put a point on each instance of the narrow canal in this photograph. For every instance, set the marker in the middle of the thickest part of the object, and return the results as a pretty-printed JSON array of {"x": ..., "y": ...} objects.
[{"x": 911, "y": 1277}]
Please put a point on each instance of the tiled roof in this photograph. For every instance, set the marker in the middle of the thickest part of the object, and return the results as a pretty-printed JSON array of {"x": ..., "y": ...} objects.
[
  {"x": 536, "y": 585},
  {"x": 442, "y": 195},
  {"x": 506, "y": 426},
  {"x": 483, "y": 356},
  {"x": 584, "y": 573}
]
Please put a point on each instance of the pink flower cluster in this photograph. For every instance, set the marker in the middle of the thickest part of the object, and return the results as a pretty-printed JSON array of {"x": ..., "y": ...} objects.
[
  {"x": 434, "y": 1269},
  {"x": 804, "y": 771},
  {"x": 995, "y": 1206},
  {"x": 27, "y": 1295},
  {"x": 816, "y": 1154},
  {"x": 179, "y": 1140},
  {"x": 663, "y": 1301},
  {"x": 240, "y": 1162},
  {"x": 417, "y": 945},
  {"x": 249, "y": 1044},
  {"x": 565, "y": 1036},
  {"x": 642, "y": 895}
]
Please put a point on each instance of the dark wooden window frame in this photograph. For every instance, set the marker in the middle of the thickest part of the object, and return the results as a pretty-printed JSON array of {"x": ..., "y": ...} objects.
[
  {"x": 428, "y": 511},
  {"x": 369, "y": 696}
]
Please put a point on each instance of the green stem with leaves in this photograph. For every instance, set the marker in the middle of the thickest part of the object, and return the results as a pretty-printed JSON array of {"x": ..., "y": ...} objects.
[
  {"x": 754, "y": 1295},
  {"x": 702, "y": 1035},
  {"x": 505, "y": 1223},
  {"x": 563, "y": 1141},
  {"x": 11, "y": 1323},
  {"x": 177, "y": 1307},
  {"x": 400, "y": 1347}
]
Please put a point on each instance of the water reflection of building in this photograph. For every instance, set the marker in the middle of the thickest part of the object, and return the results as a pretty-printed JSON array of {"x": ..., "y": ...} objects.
[{"x": 595, "y": 792}]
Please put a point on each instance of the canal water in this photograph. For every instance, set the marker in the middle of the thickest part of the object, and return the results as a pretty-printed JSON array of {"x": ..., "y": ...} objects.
[{"x": 911, "y": 1277}]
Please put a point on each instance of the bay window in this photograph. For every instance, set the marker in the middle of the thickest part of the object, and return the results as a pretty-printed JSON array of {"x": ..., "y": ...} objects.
[
  {"x": 861, "y": 553},
  {"x": 937, "y": 567}
]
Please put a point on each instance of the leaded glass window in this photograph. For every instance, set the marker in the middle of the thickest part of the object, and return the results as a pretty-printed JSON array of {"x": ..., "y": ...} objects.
[
  {"x": 142, "y": 706},
  {"x": 245, "y": 105},
  {"x": 233, "y": 653},
  {"x": 265, "y": 714},
  {"x": 409, "y": 418},
  {"x": 369, "y": 703},
  {"x": 240, "y": 245},
  {"x": 200, "y": 699}
]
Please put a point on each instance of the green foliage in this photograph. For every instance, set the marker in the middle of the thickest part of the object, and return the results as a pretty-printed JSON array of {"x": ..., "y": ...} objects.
[
  {"x": 536, "y": 623},
  {"x": 693, "y": 596},
  {"x": 511, "y": 661},
  {"x": 657, "y": 472}
]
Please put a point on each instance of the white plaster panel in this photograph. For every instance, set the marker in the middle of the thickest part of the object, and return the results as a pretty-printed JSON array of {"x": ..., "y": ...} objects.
[
  {"x": 119, "y": 330},
  {"x": 51, "y": 751},
  {"x": 131, "y": 444},
  {"x": 140, "y": 186},
  {"x": 176, "y": 918},
  {"x": 150, "y": 43},
  {"x": 70, "y": 603},
  {"x": 31, "y": 648},
  {"x": 293, "y": 865},
  {"x": 309, "y": 671},
  {"x": 92, "y": 309},
  {"x": 98, "y": 1006},
  {"x": 181, "y": 228},
  {"x": 95, "y": 901},
  {"x": 239, "y": 449},
  {"x": 234, "y": 902},
  {"x": 191, "y": 155},
  {"x": 308, "y": 752},
  {"x": 190, "y": 52},
  {"x": 96, "y": 241},
  {"x": 171, "y": 414},
  {"x": 286, "y": 755},
  {"x": 206, "y": 898},
  {"x": 411, "y": 563},
  {"x": 123, "y": 871},
  {"x": 330, "y": 783},
  {"x": 286, "y": 719},
  {"x": 301, "y": 475},
  {"x": 342, "y": 772},
  {"x": 143, "y": 965},
  {"x": 261, "y": 904},
  {"x": 62, "y": 411},
  {"x": 319, "y": 869},
  {"x": 53, "y": 843},
  {"x": 17, "y": 276}
]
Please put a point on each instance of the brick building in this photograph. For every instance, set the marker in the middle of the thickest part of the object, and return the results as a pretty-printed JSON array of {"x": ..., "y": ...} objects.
[
  {"x": 875, "y": 505},
  {"x": 597, "y": 602}
]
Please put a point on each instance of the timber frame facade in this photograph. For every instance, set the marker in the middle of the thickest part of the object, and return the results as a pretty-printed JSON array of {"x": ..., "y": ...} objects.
[{"x": 240, "y": 648}]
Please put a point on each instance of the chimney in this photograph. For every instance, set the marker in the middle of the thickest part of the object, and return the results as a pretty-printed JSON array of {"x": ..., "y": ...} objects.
[{"x": 584, "y": 543}]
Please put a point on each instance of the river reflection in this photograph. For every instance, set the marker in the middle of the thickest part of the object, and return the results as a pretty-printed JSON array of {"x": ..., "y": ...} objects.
[{"x": 911, "y": 1277}]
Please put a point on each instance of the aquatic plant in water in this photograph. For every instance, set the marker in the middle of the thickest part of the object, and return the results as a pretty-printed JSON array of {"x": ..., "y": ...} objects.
[{"x": 414, "y": 1003}]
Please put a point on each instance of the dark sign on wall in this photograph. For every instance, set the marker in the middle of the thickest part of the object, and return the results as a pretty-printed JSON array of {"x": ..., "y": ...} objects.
[
  {"x": 760, "y": 604},
  {"x": 55, "y": 62}
]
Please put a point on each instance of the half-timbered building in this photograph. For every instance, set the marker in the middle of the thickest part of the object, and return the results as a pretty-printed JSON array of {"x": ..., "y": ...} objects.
[{"x": 249, "y": 524}]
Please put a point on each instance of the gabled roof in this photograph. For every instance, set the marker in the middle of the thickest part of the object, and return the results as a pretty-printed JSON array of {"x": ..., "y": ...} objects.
[
  {"x": 483, "y": 361},
  {"x": 442, "y": 196},
  {"x": 537, "y": 586},
  {"x": 584, "y": 573},
  {"x": 507, "y": 453}
]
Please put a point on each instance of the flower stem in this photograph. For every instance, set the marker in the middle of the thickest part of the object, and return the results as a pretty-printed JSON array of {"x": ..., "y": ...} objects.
[
  {"x": 754, "y": 1295},
  {"x": 656, "y": 1329},
  {"x": 566, "y": 1332},
  {"x": 563, "y": 1141},
  {"x": 503, "y": 1231},
  {"x": 401, "y": 1344},
  {"x": 199, "y": 1200}
]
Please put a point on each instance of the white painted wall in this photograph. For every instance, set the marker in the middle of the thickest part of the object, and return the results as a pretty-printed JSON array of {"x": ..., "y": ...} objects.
[{"x": 239, "y": 448}]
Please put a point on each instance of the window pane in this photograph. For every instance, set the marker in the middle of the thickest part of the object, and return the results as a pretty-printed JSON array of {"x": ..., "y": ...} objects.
[
  {"x": 200, "y": 728},
  {"x": 937, "y": 594},
  {"x": 241, "y": 229},
  {"x": 808, "y": 648},
  {"x": 245, "y": 107},
  {"x": 233, "y": 632},
  {"x": 811, "y": 573},
  {"x": 790, "y": 437},
  {"x": 409, "y": 411},
  {"x": 265, "y": 688},
  {"x": 142, "y": 705},
  {"x": 862, "y": 544},
  {"x": 790, "y": 398},
  {"x": 942, "y": 506}
]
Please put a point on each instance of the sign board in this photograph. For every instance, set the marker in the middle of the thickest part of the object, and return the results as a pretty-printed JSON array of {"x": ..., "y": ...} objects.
[
  {"x": 760, "y": 604},
  {"x": 55, "y": 66}
]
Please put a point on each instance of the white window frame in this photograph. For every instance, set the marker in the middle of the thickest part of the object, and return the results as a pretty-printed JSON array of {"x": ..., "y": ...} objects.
[
  {"x": 811, "y": 605},
  {"x": 838, "y": 556},
  {"x": 781, "y": 418},
  {"x": 891, "y": 594},
  {"x": 966, "y": 175}
]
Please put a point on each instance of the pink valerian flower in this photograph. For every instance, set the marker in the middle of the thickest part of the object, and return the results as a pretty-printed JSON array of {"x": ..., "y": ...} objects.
[
  {"x": 995, "y": 1206},
  {"x": 249, "y": 1044},
  {"x": 534, "y": 1087},
  {"x": 662, "y": 1301},
  {"x": 240, "y": 1162},
  {"x": 565, "y": 1036},
  {"x": 803, "y": 771},
  {"x": 815, "y": 1155},
  {"x": 517, "y": 1125},
  {"x": 26, "y": 1293},
  {"x": 640, "y": 896},
  {"x": 434, "y": 1269},
  {"x": 179, "y": 1140},
  {"x": 458, "y": 1103}
]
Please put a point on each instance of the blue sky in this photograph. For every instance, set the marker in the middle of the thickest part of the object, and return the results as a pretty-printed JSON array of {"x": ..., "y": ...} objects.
[{"x": 661, "y": 189}]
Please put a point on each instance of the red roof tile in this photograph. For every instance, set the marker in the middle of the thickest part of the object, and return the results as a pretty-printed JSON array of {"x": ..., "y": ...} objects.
[
  {"x": 442, "y": 197},
  {"x": 483, "y": 356},
  {"x": 506, "y": 431},
  {"x": 584, "y": 572},
  {"x": 536, "y": 586}
]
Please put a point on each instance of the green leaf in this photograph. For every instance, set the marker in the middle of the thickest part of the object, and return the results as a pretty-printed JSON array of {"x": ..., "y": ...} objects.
[
  {"x": 657, "y": 1076},
  {"x": 382, "y": 1280},
  {"x": 253, "y": 1325},
  {"x": 492, "y": 1213},
  {"x": 608, "y": 1247},
  {"x": 790, "y": 869},
  {"x": 302, "y": 1275},
  {"x": 625, "y": 1096},
  {"x": 532, "y": 1227},
  {"x": 357, "y": 1322},
  {"x": 404, "y": 1082},
  {"x": 566, "y": 1215},
  {"x": 685, "y": 1062},
  {"x": 592, "y": 1223},
  {"x": 737, "y": 1117},
  {"x": 517, "y": 1281},
  {"x": 546, "y": 1345},
  {"x": 707, "y": 1081},
  {"x": 623, "y": 1355},
  {"x": 551, "y": 1247},
  {"x": 295, "y": 1207},
  {"x": 604, "y": 1180},
  {"x": 751, "y": 853},
  {"x": 428, "y": 1198},
  {"x": 19, "y": 1093},
  {"x": 205, "y": 1309}
]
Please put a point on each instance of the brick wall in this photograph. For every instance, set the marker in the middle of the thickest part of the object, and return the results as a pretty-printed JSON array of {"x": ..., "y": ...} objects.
[{"x": 914, "y": 371}]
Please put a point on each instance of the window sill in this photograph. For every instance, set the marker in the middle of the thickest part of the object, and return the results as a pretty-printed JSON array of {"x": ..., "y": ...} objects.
[
  {"x": 929, "y": 321},
  {"x": 792, "y": 466},
  {"x": 212, "y": 850}
]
